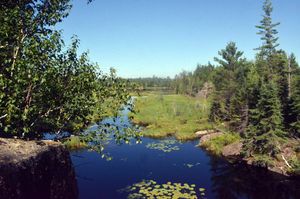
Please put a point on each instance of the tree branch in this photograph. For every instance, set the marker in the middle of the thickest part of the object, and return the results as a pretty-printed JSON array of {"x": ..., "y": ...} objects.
[
  {"x": 286, "y": 162},
  {"x": 3, "y": 116}
]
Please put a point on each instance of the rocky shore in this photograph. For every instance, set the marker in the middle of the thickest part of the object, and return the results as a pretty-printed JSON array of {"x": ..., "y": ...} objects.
[
  {"x": 36, "y": 169},
  {"x": 233, "y": 151}
]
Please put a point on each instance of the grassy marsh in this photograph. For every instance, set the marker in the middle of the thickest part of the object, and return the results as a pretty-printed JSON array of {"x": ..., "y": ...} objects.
[{"x": 165, "y": 115}]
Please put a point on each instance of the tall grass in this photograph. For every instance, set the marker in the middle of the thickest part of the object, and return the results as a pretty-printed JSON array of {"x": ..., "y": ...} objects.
[{"x": 164, "y": 115}]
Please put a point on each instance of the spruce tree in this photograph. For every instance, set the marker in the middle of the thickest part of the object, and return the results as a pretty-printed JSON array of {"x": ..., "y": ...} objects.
[
  {"x": 279, "y": 64},
  {"x": 216, "y": 113},
  {"x": 295, "y": 110},
  {"x": 265, "y": 123},
  {"x": 294, "y": 72},
  {"x": 267, "y": 31}
]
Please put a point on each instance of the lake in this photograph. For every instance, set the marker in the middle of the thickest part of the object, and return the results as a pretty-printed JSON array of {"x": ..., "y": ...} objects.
[{"x": 158, "y": 166}]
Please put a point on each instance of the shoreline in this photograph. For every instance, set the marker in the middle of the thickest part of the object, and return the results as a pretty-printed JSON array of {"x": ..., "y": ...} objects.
[{"x": 231, "y": 157}]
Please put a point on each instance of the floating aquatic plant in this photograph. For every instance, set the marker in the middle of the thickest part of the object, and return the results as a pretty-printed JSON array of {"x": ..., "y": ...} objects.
[
  {"x": 169, "y": 190},
  {"x": 164, "y": 145},
  {"x": 191, "y": 165}
]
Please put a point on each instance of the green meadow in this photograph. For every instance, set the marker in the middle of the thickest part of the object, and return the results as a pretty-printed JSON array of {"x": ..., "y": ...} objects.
[{"x": 166, "y": 115}]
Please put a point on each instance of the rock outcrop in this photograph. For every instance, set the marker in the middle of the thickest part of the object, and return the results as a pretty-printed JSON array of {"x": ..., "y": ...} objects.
[
  {"x": 199, "y": 134},
  {"x": 232, "y": 150},
  {"x": 36, "y": 169},
  {"x": 208, "y": 137},
  {"x": 206, "y": 90}
]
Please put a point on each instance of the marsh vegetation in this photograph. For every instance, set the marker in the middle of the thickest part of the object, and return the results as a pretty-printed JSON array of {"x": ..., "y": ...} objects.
[{"x": 176, "y": 115}]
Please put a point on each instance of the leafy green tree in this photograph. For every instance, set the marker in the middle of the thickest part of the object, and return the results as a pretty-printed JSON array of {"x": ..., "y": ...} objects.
[
  {"x": 44, "y": 85},
  {"x": 27, "y": 42},
  {"x": 267, "y": 31}
]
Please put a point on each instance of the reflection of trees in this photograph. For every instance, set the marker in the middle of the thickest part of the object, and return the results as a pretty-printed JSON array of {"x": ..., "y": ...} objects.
[{"x": 232, "y": 181}]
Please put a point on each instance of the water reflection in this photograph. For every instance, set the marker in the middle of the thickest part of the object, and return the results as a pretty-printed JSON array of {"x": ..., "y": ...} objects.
[{"x": 233, "y": 181}]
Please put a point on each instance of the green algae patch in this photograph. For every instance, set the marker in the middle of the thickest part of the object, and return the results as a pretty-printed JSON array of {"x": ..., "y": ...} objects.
[
  {"x": 169, "y": 190},
  {"x": 166, "y": 146}
]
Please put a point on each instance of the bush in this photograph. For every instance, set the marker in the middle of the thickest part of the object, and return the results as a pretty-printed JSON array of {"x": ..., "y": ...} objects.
[{"x": 262, "y": 161}]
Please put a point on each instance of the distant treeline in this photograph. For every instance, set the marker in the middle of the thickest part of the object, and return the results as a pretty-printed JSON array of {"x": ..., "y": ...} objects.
[
  {"x": 189, "y": 83},
  {"x": 153, "y": 82}
]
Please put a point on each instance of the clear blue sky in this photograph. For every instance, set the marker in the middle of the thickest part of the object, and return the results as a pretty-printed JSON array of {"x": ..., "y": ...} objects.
[{"x": 142, "y": 38}]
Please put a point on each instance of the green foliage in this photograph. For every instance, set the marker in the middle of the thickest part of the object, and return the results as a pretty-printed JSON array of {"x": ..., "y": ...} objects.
[
  {"x": 295, "y": 164},
  {"x": 265, "y": 123},
  {"x": 263, "y": 161},
  {"x": 230, "y": 81},
  {"x": 216, "y": 113},
  {"x": 295, "y": 110},
  {"x": 44, "y": 85},
  {"x": 154, "y": 82},
  {"x": 216, "y": 144},
  {"x": 191, "y": 83},
  {"x": 230, "y": 57},
  {"x": 75, "y": 143}
]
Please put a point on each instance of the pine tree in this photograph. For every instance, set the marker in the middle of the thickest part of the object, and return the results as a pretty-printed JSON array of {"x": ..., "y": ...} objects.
[
  {"x": 230, "y": 57},
  {"x": 265, "y": 123},
  {"x": 225, "y": 79},
  {"x": 267, "y": 31}
]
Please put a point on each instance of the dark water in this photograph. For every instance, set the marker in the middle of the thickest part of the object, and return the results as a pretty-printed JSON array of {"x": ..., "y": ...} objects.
[{"x": 98, "y": 178}]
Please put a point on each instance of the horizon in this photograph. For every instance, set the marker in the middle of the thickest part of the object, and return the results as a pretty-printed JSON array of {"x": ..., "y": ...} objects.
[{"x": 146, "y": 39}]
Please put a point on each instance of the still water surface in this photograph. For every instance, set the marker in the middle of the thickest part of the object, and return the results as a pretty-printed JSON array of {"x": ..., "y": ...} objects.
[{"x": 101, "y": 179}]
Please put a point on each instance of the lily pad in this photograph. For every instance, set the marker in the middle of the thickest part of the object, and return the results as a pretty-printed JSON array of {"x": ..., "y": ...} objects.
[
  {"x": 169, "y": 190},
  {"x": 201, "y": 189},
  {"x": 166, "y": 146}
]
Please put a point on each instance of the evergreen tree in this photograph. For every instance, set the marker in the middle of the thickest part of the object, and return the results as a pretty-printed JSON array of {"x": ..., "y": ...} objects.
[
  {"x": 265, "y": 123},
  {"x": 294, "y": 72},
  {"x": 216, "y": 113},
  {"x": 225, "y": 79},
  {"x": 267, "y": 31},
  {"x": 230, "y": 56},
  {"x": 295, "y": 110}
]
